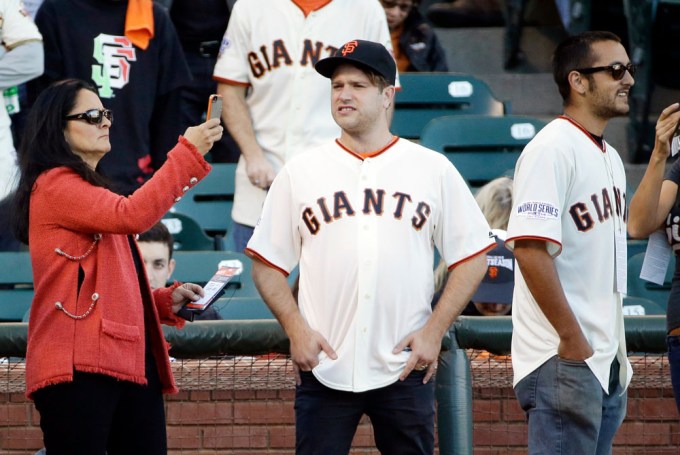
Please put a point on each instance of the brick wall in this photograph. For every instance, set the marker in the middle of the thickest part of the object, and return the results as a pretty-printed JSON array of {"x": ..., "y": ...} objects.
[{"x": 261, "y": 421}]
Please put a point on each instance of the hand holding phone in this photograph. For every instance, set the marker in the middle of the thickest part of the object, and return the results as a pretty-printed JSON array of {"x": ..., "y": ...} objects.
[{"x": 214, "y": 107}]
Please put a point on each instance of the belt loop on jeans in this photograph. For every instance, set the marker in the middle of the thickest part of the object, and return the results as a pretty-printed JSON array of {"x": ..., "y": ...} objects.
[{"x": 209, "y": 49}]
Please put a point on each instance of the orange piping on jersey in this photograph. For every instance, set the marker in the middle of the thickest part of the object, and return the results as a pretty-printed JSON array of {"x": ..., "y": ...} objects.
[
  {"x": 231, "y": 82},
  {"x": 603, "y": 148},
  {"x": 363, "y": 156},
  {"x": 255, "y": 255},
  {"x": 483, "y": 250},
  {"x": 307, "y": 6},
  {"x": 534, "y": 237}
]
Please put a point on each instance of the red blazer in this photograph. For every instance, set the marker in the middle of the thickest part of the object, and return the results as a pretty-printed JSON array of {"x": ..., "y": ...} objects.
[{"x": 75, "y": 226}]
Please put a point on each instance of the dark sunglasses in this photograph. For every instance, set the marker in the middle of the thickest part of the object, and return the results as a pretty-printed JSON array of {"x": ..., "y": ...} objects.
[
  {"x": 617, "y": 70},
  {"x": 388, "y": 4},
  {"x": 93, "y": 116}
]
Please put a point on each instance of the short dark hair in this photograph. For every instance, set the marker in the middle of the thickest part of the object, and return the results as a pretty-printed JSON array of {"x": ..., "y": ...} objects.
[
  {"x": 576, "y": 52},
  {"x": 158, "y": 233},
  {"x": 44, "y": 146}
]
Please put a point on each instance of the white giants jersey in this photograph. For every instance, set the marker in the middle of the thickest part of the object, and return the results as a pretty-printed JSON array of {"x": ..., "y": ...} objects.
[
  {"x": 271, "y": 47},
  {"x": 571, "y": 193},
  {"x": 363, "y": 230}
]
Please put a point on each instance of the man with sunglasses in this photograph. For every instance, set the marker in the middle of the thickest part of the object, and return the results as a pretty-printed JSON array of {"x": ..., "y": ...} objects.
[{"x": 568, "y": 232}]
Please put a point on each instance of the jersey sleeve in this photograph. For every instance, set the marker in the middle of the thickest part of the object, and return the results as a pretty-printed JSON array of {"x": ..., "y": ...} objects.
[
  {"x": 542, "y": 177},
  {"x": 17, "y": 26},
  {"x": 276, "y": 240},
  {"x": 232, "y": 62},
  {"x": 462, "y": 231}
]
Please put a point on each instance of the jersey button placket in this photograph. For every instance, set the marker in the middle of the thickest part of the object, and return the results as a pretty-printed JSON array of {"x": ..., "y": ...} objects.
[{"x": 367, "y": 278}]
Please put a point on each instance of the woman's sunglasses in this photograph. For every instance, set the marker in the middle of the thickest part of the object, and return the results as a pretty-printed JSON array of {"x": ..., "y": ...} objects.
[
  {"x": 93, "y": 116},
  {"x": 617, "y": 70}
]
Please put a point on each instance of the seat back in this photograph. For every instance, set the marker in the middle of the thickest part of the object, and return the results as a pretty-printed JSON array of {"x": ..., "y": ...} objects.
[
  {"x": 637, "y": 287},
  {"x": 481, "y": 147},
  {"x": 16, "y": 285},
  {"x": 199, "y": 266},
  {"x": 425, "y": 96},
  {"x": 211, "y": 200},
  {"x": 187, "y": 234},
  {"x": 239, "y": 308}
]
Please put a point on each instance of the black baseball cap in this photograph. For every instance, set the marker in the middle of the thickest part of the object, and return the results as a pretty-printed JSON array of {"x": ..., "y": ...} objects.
[
  {"x": 364, "y": 54},
  {"x": 499, "y": 281}
]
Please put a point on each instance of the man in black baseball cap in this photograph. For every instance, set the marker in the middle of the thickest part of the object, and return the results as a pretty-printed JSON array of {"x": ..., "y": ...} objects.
[{"x": 364, "y": 54}]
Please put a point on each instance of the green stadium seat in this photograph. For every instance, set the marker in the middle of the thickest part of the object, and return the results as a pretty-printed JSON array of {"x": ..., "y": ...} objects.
[
  {"x": 188, "y": 234},
  {"x": 16, "y": 285},
  {"x": 637, "y": 306},
  {"x": 637, "y": 287},
  {"x": 199, "y": 266},
  {"x": 211, "y": 200},
  {"x": 425, "y": 96},
  {"x": 481, "y": 147},
  {"x": 239, "y": 308}
]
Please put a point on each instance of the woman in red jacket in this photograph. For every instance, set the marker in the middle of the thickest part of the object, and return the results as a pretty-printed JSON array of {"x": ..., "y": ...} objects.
[{"x": 97, "y": 362}]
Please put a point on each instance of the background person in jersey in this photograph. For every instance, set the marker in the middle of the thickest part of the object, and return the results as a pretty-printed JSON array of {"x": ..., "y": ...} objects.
[
  {"x": 276, "y": 105},
  {"x": 360, "y": 215},
  {"x": 656, "y": 205},
  {"x": 156, "y": 247},
  {"x": 96, "y": 362},
  {"x": 21, "y": 59},
  {"x": 568, "y": 342},
  {"x": 129, "y": 49}
]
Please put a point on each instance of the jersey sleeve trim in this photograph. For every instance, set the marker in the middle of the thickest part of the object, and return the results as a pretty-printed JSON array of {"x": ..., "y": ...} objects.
[
  {"x": 490, "y": 247},
  {"x": 257, "y": 256},
  {"x": 231, "y": 82},
  {"x": 510, "y": 243}
]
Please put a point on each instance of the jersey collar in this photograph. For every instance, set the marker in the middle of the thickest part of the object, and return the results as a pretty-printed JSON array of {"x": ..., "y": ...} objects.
[
  {"x": 363, "y": 156},
  {"x": 602, "y": 148}
]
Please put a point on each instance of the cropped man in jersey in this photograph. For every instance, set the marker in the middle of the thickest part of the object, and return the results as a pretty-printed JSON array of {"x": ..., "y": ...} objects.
[
  {"x": 360, "y": 215},
  {"x": 656, "y": 205},
  {"x": 568, "y": 232},
  {"x": 277, "y": 105}
]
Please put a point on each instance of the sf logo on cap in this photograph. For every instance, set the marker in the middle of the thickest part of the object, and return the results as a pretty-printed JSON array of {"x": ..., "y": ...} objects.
[{"x": 349, "y": 48}]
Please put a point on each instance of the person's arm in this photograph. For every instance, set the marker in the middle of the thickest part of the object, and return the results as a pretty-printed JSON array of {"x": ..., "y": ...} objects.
[
  {"x": 425, "y": 343},
  {"x": 21, "y": 64},
  {"x": 539, "y": 273},
  {"x": 305, "y": 343},
  {"x": 655, "y": 196},
  {"x": 236, "y": 117}
]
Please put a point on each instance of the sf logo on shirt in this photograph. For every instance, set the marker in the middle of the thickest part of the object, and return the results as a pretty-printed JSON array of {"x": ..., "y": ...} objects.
[{"x": 373, "y": 202}]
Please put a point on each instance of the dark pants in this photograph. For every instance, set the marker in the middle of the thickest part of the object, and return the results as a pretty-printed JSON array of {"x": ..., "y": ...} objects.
[
  {"x": 402, "y": 415},
  {"x": 97, "y": 415},
  {"x": 674, "y": 361}
]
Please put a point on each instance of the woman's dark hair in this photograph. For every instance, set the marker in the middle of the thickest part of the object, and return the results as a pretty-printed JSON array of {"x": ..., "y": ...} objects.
[
  {"x": 576, "y": 52},
  {"x": 44, "y": 147}
]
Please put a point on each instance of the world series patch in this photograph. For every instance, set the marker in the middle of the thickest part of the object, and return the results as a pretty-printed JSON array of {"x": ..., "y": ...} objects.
[{"x": 538, "y": 210}]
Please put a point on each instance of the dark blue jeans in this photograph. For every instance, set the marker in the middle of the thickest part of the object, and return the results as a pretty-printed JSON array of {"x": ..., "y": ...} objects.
[
  {"x": 567, "y": 410},
  {"x": 674, "y": 361},
  {"x": 402, "y": 415}
]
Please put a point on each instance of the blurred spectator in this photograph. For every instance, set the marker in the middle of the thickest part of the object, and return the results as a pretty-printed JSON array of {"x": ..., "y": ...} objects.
[
  {"x": 156, "y": 246},
  {"x": 276, "y": 105},
  {"x": 495, "y": 201},
  {"x": 200, "y": 27},
  {"x": 131, "y": 52},
  {"x": 415, "y": 44},
  {"x": 494, "y": 294},
  {"x": 21, "y": 59},
  {"x": 466, "y": 13}
]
